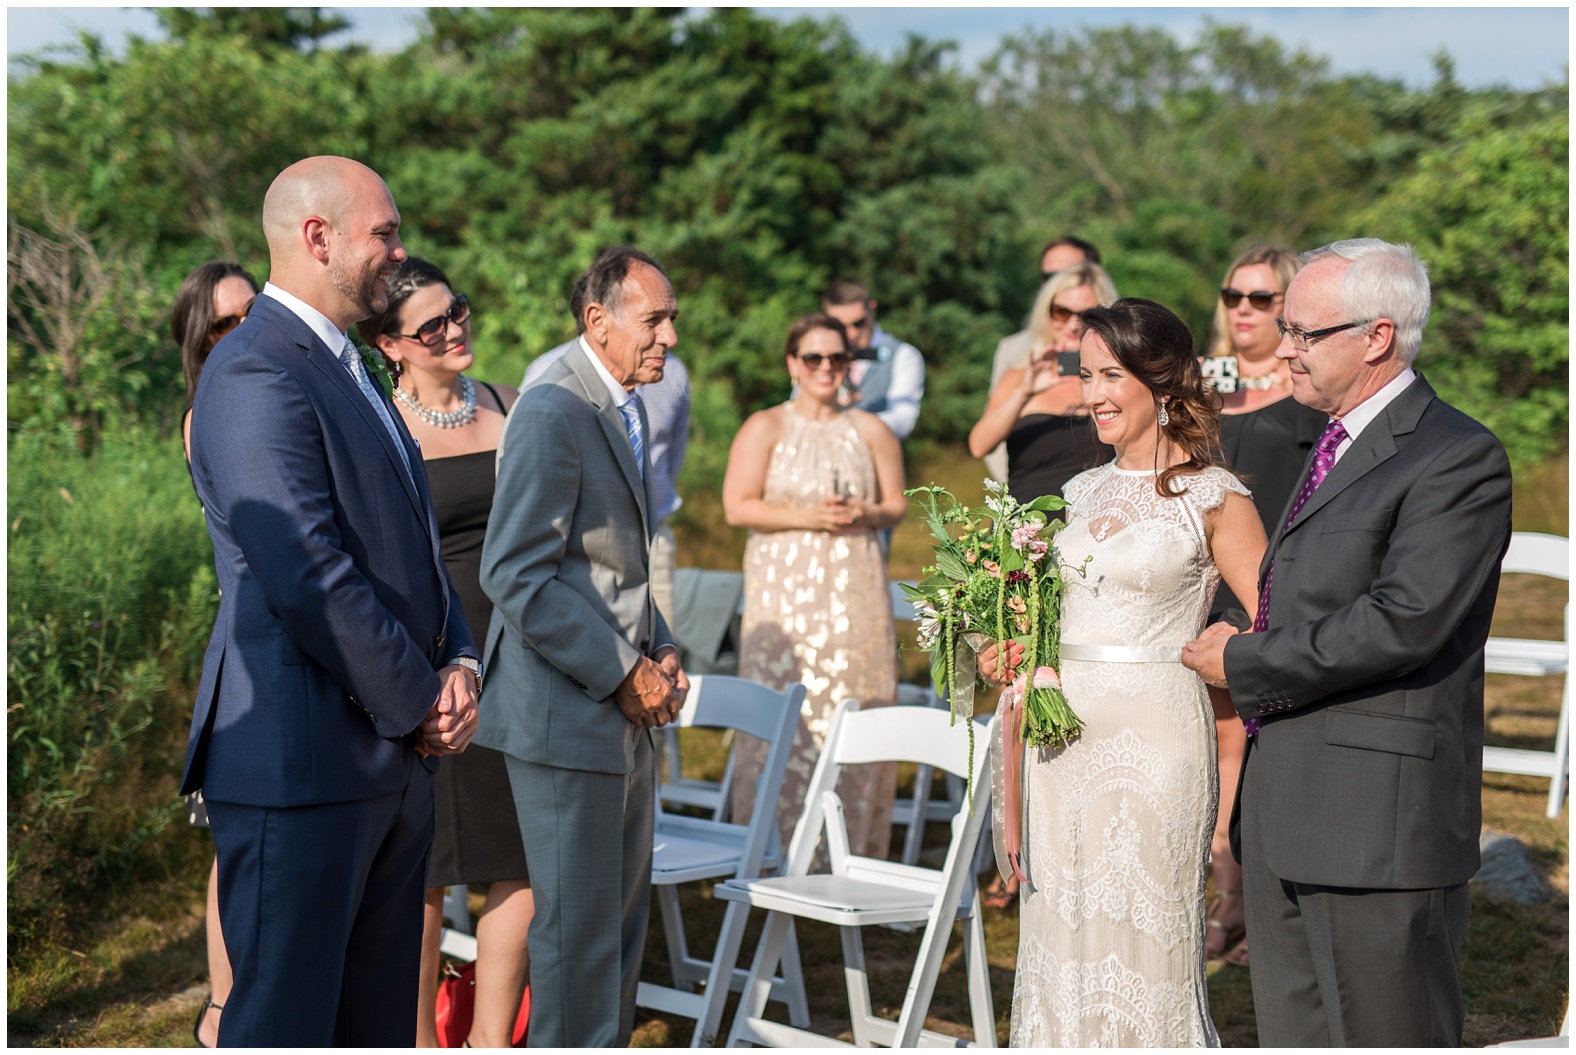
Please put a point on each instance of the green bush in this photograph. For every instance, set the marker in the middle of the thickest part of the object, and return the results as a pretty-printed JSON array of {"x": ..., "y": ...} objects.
[{"x": 112, "y": 596}]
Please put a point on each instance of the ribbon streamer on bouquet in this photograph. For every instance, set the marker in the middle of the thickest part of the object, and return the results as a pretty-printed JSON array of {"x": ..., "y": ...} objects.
[{"x": 1008, "y": 748}]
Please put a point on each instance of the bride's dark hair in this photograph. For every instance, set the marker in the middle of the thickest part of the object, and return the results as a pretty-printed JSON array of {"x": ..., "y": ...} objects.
[{"x": 1156, "y": 347}]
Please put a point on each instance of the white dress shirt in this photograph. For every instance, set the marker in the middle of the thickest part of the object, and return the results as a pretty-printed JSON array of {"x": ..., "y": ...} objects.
[{"x": 1368, "y": 411}]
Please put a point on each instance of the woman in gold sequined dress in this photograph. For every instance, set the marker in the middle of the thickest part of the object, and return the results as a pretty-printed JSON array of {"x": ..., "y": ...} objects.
[{"x": 815, "y": 482}]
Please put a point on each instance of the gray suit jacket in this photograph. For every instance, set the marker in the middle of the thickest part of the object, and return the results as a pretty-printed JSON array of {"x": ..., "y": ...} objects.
[
  {"x": 566, "y": 564},
  {"x": 1369, "y": 681}
]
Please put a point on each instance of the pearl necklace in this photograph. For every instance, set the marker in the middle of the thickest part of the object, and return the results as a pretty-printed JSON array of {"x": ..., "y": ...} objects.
[
  {"x": 1260, "y": 382},
  {"x": 441, "y": 419}
]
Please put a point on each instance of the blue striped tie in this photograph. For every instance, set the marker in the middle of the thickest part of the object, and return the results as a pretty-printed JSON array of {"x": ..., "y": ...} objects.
[
  {"x": 358, "y": 370},
  {"x": 632, "y": 426}
]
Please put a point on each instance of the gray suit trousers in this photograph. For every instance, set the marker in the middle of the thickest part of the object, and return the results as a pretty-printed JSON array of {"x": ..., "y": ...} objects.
[
  {"x": 1351, "y": 967},
  {"x": 588, "y": 840}
]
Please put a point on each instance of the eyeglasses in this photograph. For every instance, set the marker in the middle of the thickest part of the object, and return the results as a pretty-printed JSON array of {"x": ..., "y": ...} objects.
[
  {"x": 1300, "y": 339},
  {"x": 225, "y": 323},
  {"x": 1261, "y": 299},
  {"x": 859, "y": 323},
  {"x": 1062, "y": 314},
  {"x": 837, "y": 360},
  {"x": 432, "y": 332}
]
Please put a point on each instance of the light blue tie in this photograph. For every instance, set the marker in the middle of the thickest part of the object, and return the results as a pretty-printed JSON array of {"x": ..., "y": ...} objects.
[
  {"x": 352, "y": 360},
  {"x": 632, "y": 426}
]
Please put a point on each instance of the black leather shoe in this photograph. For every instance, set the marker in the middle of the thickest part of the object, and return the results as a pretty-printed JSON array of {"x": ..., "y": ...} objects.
[{"x": 202, "y": 1013}]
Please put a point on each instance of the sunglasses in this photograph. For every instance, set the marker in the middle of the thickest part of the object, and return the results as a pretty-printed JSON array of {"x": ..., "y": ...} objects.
[
  {"x": 837, "y": 360},
  {"x": 432, "y": 332},
  {"x": 1261, "y": 299},
  {"x": 1062, "y": 314},
  {"x": 225, "y": 323}
]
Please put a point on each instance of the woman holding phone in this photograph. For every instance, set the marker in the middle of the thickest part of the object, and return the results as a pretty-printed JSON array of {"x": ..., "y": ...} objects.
[{"x": 1036, "y": 407}]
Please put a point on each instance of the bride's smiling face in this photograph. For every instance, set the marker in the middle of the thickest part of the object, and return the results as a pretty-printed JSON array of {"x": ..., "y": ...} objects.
[{"x": 1123, "y": 407}]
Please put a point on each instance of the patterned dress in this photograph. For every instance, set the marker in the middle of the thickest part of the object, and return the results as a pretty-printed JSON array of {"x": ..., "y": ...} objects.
[
  {"x": 1117, "y": 826},
  {"x": 817, "y": 611}
]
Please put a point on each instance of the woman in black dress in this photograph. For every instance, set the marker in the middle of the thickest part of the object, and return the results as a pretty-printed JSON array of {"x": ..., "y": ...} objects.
[
  {"x": 425, "y": 333},
  {"x": 1266, "y": 437},
  {"x": 1037, "y": 410},
  {"x": 212, "y": 301}
]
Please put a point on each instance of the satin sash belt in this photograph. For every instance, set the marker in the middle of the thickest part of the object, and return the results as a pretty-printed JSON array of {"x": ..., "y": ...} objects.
[{"x": 1122, "y": 653}]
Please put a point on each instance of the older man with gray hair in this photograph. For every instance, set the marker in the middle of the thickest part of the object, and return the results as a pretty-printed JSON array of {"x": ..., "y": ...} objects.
[{"x": 1361, "y": 685}]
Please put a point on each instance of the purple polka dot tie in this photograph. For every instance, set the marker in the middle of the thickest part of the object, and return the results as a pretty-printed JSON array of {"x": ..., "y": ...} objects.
[{"x": 1323, "y": 462}]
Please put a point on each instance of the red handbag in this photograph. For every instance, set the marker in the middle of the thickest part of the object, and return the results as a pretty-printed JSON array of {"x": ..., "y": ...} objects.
[{"x": 457, "y": 1006}]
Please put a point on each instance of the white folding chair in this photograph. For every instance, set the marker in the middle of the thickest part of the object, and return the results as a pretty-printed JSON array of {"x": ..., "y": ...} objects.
[
  {"x": 914, "y": 813},
  {"x": 691, "y": 849},
  {"x": 675, "y": 789},
  {"x": 907, "y": 812},
  {"x": 1531, "y": 553},
  {"x": 864, "y": 891}
]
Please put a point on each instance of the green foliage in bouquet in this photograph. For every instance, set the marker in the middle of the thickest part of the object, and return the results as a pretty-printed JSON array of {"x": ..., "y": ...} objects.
[{"x": 996, "y": 578}]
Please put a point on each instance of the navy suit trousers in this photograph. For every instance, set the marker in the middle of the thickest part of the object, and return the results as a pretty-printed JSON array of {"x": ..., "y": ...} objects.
[{"x": 322, "y": 914}]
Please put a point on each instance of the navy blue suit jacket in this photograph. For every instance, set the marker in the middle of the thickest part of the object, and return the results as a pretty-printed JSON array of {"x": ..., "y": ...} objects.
[{"x": 336, "y": 611}]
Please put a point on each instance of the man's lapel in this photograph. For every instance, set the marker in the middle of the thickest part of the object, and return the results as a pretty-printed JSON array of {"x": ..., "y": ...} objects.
[
  {"x": 612, "y": 422},
  {"x": 1373, "y": 446},
  {"x": 332, "y": 368}
]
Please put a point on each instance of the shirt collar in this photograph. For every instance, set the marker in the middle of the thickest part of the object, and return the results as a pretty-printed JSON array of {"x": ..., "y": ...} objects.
[
  {"x": 1368, "y": 411},
  {"x": 620, "y": 394},
  {"x": 326, "y": 331}
]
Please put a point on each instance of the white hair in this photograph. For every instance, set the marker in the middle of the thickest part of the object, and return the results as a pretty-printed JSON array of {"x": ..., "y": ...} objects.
[{"x": 1385, "y": 281}]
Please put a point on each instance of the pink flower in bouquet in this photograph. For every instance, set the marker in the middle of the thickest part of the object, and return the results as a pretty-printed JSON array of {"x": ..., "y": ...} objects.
[
  {"x": 992, "y": 568},
  {"x": 1038, "y": 548},
  {"x": 1023, "y": 535}
]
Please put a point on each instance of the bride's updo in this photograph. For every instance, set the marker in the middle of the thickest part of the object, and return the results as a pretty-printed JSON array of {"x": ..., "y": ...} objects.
[{"x": 1156, "y": 347}]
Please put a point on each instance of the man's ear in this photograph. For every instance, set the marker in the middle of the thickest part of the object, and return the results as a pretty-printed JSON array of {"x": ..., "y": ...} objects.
[
  {"x": 315, "y": 233},
  {"x": 597, "y": 318},
  {"x": 1381, "y": 340}
]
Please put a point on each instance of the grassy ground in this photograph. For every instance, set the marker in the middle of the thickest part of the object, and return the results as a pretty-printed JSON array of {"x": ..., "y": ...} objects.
[{"x": 137, "y": 975}]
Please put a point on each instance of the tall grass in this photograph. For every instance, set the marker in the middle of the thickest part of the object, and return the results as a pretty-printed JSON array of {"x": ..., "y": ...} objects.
[{"x": 111, "y": 599}]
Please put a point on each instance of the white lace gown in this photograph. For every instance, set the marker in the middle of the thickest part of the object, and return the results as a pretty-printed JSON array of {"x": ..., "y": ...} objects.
[{"x": 1117, "y": 826}]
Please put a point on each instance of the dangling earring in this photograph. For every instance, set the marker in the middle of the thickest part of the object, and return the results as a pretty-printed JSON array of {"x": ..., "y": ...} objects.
[{"x": 1165, "y": 418}]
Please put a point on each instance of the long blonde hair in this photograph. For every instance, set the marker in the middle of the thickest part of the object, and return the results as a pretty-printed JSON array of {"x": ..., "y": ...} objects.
[
  {"x": 1085, "y": 274},
  {"x": 1284, "y": 264}
]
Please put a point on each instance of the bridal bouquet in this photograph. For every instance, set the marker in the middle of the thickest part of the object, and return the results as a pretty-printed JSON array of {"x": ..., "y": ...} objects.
[{"x": 996, "y": 578}]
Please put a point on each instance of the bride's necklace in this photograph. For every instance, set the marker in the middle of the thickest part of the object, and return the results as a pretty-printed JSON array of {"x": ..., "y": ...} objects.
[
  {"x": 443, "y": 419},
  {"x": 1261, "y": 382}
]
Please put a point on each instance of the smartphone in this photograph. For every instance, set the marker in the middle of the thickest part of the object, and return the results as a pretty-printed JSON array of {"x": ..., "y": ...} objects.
[
  {"x": 1067, "y": 364},
  {"x": 1221, "y": 373}
]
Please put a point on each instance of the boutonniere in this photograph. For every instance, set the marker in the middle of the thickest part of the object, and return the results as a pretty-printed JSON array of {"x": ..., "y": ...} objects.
[{"x": 377, "y": 368}]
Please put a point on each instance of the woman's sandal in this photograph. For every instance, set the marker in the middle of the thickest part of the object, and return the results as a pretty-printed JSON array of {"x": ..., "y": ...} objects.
[
  {"x": 998, "y": 896},
  {"x": 1231, "y": 936},
  {"x": 202, "y": 1013}
]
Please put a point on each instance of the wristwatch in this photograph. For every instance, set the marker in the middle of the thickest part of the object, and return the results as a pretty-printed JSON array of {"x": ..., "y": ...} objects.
[{"x": 475, "y": 667}]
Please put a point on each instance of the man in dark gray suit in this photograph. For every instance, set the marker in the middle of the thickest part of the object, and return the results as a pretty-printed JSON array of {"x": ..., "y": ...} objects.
[
  {"x": 582, "y": 664},
  {"x": 1358, "y": 812}
]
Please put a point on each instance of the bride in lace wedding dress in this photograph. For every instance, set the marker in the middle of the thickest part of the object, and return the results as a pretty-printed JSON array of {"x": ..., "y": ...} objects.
[{"x": 1117, "y": 826}]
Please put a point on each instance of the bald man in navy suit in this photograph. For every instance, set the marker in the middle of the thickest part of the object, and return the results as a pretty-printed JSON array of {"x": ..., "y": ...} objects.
[{"x": 340, "y": 666}]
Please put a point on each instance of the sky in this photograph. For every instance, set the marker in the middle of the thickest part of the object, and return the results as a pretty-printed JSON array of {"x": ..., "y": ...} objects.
[{"x": 1522, "y": 47}]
